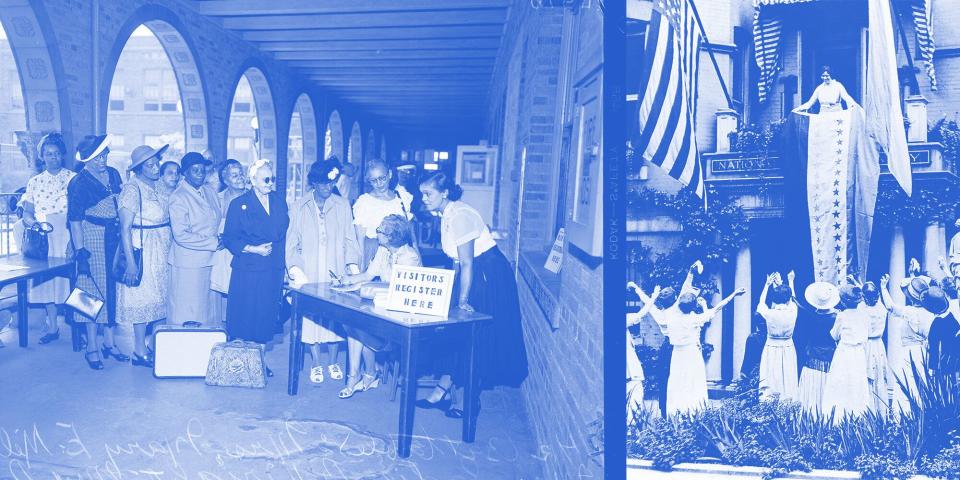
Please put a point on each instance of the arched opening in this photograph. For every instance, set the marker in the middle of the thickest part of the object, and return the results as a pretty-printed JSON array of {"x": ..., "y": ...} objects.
[
  {"x": 16, "y": 144},
  {"x": 354, "y": 156},
  {"x": 301, "y": 147},
  {"x": 145, "y": 106},
  {"x": 252, "y": 133},
  {"x": 371, "y": 152},
  {"x": 333, "y": 137}
]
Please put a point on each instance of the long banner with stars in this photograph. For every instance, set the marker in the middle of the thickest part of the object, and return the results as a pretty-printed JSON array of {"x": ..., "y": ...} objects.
[{"x": 841, "y": 190}]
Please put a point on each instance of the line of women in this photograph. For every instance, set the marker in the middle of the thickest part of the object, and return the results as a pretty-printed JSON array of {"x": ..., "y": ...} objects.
[
  {"x": 160, "y": 249},
  {"x": 828, "y": 351}
]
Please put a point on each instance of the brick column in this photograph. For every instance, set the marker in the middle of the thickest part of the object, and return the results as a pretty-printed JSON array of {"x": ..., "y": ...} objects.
[{"x": 742, "y": 309}]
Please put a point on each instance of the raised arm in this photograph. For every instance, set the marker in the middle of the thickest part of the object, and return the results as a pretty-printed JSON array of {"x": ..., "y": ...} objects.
[
  {"x": 762, "y": 306},
  {"x": 885, "y": 296},
  {"x": 722, "y": 303}
]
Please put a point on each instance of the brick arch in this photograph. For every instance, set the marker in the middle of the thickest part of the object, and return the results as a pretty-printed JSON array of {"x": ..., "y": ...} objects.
[
  {"x": 38, "y": 62},
  {"x": 308, "y": 128},
  {"x": 179, "y": 47},
  {"x": 266, "y": 111},
  {"x": 335, "y": 137}
]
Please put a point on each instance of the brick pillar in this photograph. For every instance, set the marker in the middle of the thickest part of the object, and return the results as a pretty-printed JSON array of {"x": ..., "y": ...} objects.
[{"x": 742, "y": 309}]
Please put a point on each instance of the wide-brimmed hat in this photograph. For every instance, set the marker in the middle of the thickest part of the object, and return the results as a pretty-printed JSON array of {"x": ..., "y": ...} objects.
[
  {"x": 934, "y": 300},
  {"x": 822, "y": 295},
  {"x": 915, "y": 286},
  {"x": 92, "y": 146},
  {"x": 143, "y": 153}
]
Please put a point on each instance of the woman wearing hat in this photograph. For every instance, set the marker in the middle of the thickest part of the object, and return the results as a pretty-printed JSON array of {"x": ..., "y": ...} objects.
[
  {"x": 45, "y": 200},
  {"x": 814, "y": 340},
  {"x": 255, "y": 232},
  {"x": 320, "y": 241},
  {"x": 943, "y": 344},
  {"x": 95, "y": 233},
  {"x": 144, "y": 226},
  {"x": 877, "y": 366},
  {"x": 846, "y": 390},
  {"x": 778, "y": 362},
  {"x": 913, "y": 324}
]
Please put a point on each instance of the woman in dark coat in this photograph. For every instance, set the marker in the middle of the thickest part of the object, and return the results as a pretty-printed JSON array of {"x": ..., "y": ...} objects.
[{"x": 255, "y": 233}]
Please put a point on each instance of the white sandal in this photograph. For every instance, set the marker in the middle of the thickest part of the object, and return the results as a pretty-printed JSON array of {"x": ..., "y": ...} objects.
[
  {"x": 316, "y": 374},
  {"x": 335, "y": 372},
  {"x": 351, "y": 389}
]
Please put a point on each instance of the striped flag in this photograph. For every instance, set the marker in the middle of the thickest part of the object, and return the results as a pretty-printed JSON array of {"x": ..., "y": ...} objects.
[
  {"x": 668, "y": 108},
  {"x": 922, "y": 25},
  {"x": 766, "y": 49}
]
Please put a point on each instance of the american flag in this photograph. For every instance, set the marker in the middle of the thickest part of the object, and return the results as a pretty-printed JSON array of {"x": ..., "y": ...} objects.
[
  {"x": 668, "y": 107},
  {"x": 922, "y": 25}
]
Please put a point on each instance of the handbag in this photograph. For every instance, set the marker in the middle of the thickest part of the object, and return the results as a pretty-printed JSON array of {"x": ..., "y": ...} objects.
[
  {"x": 120, "y": 260},
  {"x": 236, "y": 364},
  {"x": 36, "y": 244},
  {"x": 84, "y": 302}
]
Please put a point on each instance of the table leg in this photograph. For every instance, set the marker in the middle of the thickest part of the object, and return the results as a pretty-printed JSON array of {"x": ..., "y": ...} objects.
[
  {"x": 293, "y": 367},
  {"x": 408, "y": 396},
  {"x": 471, "y": 391},
  {"x": 22, "y": 313}
]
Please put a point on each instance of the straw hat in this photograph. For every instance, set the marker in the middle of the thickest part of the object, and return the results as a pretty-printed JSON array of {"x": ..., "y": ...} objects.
[
  {"x": 143, "y": 153},
  {"x": 934, "y": 300},
  {"x": 822, "y": 295},
  {"x": 915, "y": 286}
]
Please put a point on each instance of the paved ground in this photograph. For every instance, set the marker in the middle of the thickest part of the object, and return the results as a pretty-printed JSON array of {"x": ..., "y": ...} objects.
[{"x": 60, "y": 419}]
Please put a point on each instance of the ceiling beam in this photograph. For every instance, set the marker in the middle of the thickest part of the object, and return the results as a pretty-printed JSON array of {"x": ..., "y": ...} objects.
[
  {"x": 489, "y": 54},
  {"x": 392, "y": 63},
  {"x": 384, "y": 45},
  {"x": 305, "y": 7},
  {"x": 323, "y": 69},
  {"x": 396, "y": 77},
  {"x": 385, "y": 33},
  {"x": 495, "y": 16}
]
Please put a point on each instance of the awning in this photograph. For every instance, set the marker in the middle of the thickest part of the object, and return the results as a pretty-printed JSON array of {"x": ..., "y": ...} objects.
[{"x": 767, "y": 29}]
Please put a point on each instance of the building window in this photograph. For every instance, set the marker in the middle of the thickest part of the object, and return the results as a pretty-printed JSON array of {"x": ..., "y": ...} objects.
[
  {"x": 116, "y": 105},
  {"x": 241, "y": 107},
  {"x": 154, "y": 141},
  {"x": 117, "y": 140},
  {"x": 160, "y": 90}
]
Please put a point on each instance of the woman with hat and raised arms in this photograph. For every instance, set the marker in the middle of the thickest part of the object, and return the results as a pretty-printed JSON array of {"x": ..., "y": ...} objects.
[
  {"x": 45, "y": 200},
  {"x": 913, "y": 323},
  {"x": 813, "y": 339},
  {"x": 846, "y": 391},
  {"x": 144, "y": 225},
  {"x": 95, "y": 233}
]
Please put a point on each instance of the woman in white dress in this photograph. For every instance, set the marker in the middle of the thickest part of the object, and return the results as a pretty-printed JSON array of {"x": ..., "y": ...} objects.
[
  {"x": 371, "y": 208},
  {"x": 828, "y": 94},
  {"x": 687, "y": 383},
  {"x": 846, "y": 392},
  {"x": 45, "y": 200},
  {"x": 913, "y": 323},
  {"x": 144, "y": 225},
  {"x": 876, "y": 315},
  {"x": 321, "y": 241},
  {"x": 635, "y": 376},
  {"x": 233, "y": 183},
  {"x": 778, "y": 362}
]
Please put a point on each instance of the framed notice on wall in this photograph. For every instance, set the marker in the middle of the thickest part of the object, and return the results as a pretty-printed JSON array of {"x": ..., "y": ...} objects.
[
  {"x": 584, "y": 228},
  {"x": 475, "y": 169}
]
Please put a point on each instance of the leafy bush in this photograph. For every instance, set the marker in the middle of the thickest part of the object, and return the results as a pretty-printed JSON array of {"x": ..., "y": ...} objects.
[
  {"x": 669, "y": 441},
  {"x": 754, "y": 138},
  {"x": 947, "y": 133}
]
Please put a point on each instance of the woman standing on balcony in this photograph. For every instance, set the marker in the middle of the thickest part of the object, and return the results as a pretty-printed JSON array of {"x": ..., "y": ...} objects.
[
  {"x": 95, "y": 233},
  {"x": 828, "y": 94},
  {"x": 45, "y": 200}
]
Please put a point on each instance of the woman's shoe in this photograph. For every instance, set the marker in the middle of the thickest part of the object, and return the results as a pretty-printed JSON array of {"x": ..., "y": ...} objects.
[
  {"x": 49, "y": 337},
  {"x": 369, "y": 382},
  {"x": 335, "y": 372},
  {"x": 442, "y": 404},
  {"x": 96, "y": 365},
  {"x": 351, "y": 388},
  {"x": 316, "y": 375},
  {"x": 116, "y": 354},
  {"x": 139, "y": 361},
  {"x": 267, "y": 370},
  {"x": 457, "y": 412}
]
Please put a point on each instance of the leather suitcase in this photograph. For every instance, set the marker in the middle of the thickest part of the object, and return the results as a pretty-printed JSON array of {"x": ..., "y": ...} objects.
[{"x": 184, "y": 352}]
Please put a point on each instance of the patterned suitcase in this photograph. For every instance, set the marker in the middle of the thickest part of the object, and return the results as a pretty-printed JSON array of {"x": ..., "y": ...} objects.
[
  {"x": 183, "y": 352},
  {"x": 237, "y": 364}
]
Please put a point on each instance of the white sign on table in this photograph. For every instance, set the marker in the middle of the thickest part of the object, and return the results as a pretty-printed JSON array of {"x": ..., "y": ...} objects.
[{"x": 420, "y": 290}]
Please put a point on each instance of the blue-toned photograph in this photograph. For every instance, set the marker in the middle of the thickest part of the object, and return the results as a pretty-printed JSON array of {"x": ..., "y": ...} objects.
[
  {"x": 293, "y": 239},
  {"x": 792, "y": 233}
]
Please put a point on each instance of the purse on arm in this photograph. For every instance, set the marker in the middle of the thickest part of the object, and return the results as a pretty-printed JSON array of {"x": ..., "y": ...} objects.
[{"x": 120, "y": 260}]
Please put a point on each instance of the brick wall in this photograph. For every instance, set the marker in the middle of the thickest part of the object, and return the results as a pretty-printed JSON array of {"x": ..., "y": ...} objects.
[{"x": 564, "y": 392}]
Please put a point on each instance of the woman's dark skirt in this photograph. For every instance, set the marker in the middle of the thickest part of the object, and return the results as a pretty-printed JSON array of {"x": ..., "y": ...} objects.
[
  {"x": 503, "y": 354},
  {"x": 253, "y": 304}
]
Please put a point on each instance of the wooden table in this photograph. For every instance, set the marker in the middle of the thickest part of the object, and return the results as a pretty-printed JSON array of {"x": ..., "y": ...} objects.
[
  {"x": 409, "y": 331},
  {"x": 52, "y": 267}
]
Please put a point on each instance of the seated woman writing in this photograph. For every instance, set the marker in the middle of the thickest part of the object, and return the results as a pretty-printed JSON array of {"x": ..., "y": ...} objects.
[
  {"x": 396, "y": 248},
  {"x": 828, "y": 94}
]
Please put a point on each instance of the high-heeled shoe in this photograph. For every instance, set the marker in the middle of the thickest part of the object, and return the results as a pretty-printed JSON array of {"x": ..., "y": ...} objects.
[
  {"x": 267, "y": 370},
  {"x": 49, "y": 337},
  {"x": 442, "y": 404},
  {"x": 139, "y": 361},
  {"x": 116, "y": 354},
  {"x": 95, "y": 365},
  {"x": 457, "y": 412}
]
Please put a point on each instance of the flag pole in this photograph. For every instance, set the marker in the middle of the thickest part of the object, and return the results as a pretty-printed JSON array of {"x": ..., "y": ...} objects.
[{"x": 713, "y": 59}]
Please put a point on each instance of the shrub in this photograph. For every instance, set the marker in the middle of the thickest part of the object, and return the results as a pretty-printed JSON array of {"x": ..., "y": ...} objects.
[{"x": 669, "y": 441}]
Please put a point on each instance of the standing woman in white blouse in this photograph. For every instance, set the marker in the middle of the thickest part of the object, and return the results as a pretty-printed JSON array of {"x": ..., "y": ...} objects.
[
  {"x": 46, "y": 201},
  {"x": 372, "y": 207},
  {"x": 486, "y": 284}
]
